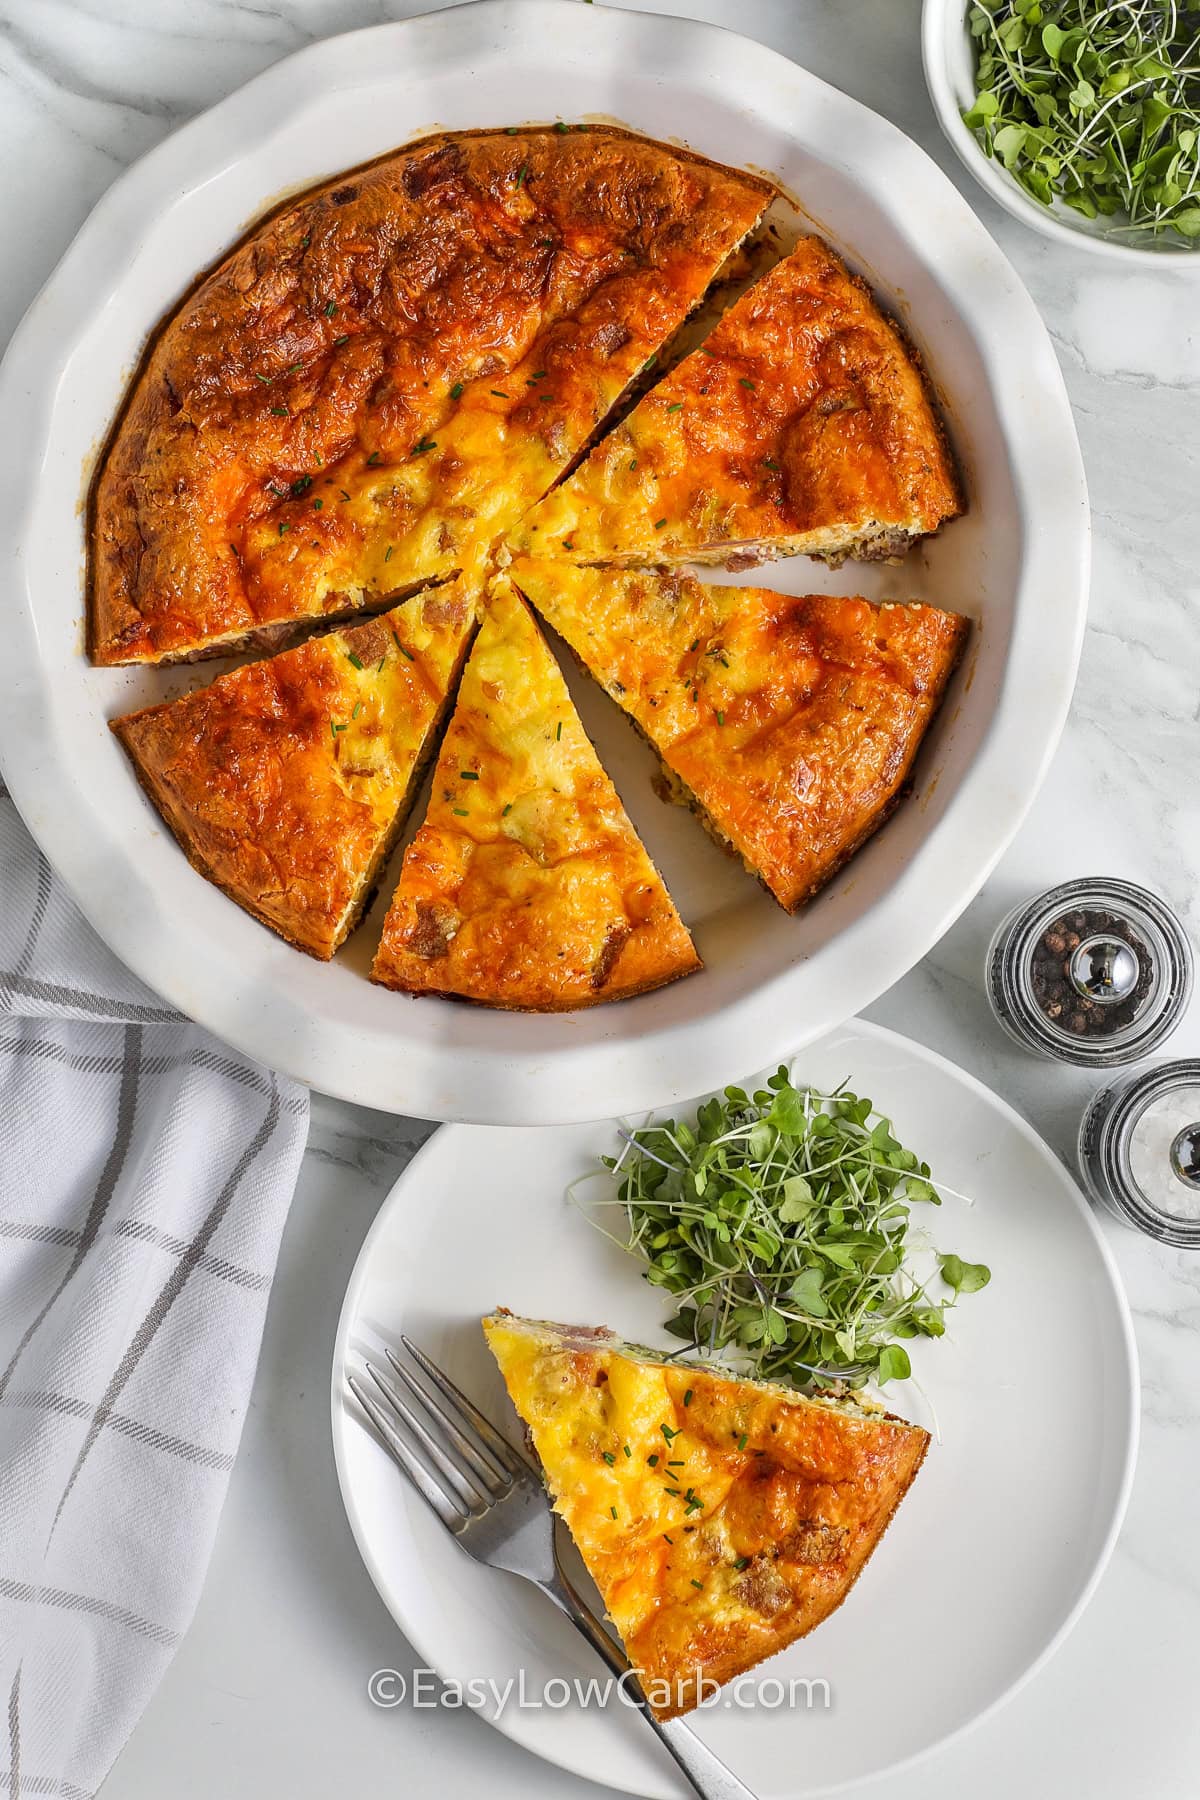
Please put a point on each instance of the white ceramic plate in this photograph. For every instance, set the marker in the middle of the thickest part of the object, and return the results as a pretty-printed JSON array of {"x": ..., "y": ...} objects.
[
  {"x": 1017, "y": 564},
  {"x": 995, "y": 1550}
]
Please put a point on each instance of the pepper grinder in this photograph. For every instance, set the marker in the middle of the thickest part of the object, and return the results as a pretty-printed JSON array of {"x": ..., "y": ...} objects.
[{"x": 1095, "y": 972}]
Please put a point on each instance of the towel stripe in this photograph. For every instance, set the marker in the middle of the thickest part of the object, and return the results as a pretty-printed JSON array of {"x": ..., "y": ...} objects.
[
  {"x": 169, "y": 1293},
  {"x": 126, "y": 1105}
]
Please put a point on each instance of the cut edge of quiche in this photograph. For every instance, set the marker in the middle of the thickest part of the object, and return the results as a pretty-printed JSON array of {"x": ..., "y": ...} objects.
[
  {"x": 721, "y": 1518},
  {"x": 526, "y": 886},
  {"x": 287, "y": 781},
  {"x": 803, "y": 424},
  {"x": 789, "y": 724}
]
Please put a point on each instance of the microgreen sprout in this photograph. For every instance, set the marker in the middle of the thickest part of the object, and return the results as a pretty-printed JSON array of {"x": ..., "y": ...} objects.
[
  {"x": 777, "y": 1221},
  {"x": 1095, "y": 103}
]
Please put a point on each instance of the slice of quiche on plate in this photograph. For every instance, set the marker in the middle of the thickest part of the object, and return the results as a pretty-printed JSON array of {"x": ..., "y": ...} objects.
[
  {"x": 383, "y": 376},
  {"x": 801, "y": 424},
  {"x": 526, "y": 885},
  {"x": 287, "y": 781},
  {"x": 789, "y": 725},
  {"x": 720, "y": 1518}
]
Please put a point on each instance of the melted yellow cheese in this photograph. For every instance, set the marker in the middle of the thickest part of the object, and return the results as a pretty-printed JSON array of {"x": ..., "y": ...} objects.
[
  {"x": 719, "y": 1518},
  {"x": 526, "y": 885}
]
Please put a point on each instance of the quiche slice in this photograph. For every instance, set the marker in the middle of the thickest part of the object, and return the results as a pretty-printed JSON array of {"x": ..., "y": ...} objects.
[
  {"x": 287, "y": 781},
  {"x": 789, "y": 725},
  {"x": 721, "y": 1519},
  {"x": 526, "y": 886},
  {"x": 800, "y": 424},
  {"x": 386, "y": 373}
]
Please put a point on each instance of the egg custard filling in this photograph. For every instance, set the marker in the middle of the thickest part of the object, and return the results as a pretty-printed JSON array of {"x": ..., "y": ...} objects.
[
  {"x": 526, "y": 885},
  {"x": 287, "y": 782},
  {"x": 721, "y": 1519}
]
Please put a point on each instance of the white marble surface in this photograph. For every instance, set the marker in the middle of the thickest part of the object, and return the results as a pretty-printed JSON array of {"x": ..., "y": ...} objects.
[{"x": 267, "y": 1695}]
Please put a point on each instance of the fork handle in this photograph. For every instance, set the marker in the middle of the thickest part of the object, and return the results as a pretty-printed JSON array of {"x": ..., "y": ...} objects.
[{"x": 707, "y": 1774}]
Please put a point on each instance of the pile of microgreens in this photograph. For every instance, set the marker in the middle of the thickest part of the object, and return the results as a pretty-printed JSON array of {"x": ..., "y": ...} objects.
[
  {"x": 778, "y": 1221},
  {"x": 1095, "y": 103}
]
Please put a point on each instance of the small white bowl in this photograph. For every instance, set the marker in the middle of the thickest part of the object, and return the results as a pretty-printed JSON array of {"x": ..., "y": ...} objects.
[{"x": 948, "y": 52}]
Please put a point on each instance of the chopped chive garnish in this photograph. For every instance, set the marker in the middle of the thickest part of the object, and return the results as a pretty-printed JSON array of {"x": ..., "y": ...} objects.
[
  {"x": 283, "y": 526},
  {"x": 380, "y": 663},
  {"x": 350, "y": 657},
  {"x": 281, "y": 412},
  {"x": 507, "y": 810},
  {"x": 338, "y": 341},
  {"x": 265, "y": 379},
  {"x": 677, "y": 1464},
  {"x": 745, "y": 381},
  {"x": 460, "y": 812},
  {"x": 627, "y": 1450},
  {"x": 331, "y": 309},
  {"x": 613, "y": 1511},
  {"x": 424, "y": 444},
  {"x": 293, "y": 368},
  {"x": 500, "y": 393},
  {"x": 769, "y": 462},
  {"x": 337, "y": 728},
  {"x": 668, "y": 1433},
  {"x": 545, "y": 243},
  {"x": 400, "y": 647},
  {"x": 670, "y": 1540},
  {"x": 609, "y": 1458},
  {"x": 742, "y": 1441},
  {"x": 558, "y": 733},
  {"x": 633, "y": 464},
  {"x": 372, "y": 459},
  {"x": 456, "y": 391},
  {"x": 546, "y": 399},
  {"x": 743, "y": 1562},
  {"x": 687, "y": 1398},
  {"x": 653, "y": 1460},
  {"x": 468, "y": 775},
  {"x": 522, "y": 172},
  {"x": 357, "y": 709},
  {"x": 675, "y": 406},
  {"x": 674, "y": 1493},
  {"x": 318, "y": 505},
  {"x": 720, "y": 717},
  {"x": 659, "y": 523},
  {"x": 301, "y": 486},
  {"x": 560, "y": 125},
  {"x": 387, "y": 555},
  {"x": 697, "y": 1584},
  {"x": 343, "y": 493}
]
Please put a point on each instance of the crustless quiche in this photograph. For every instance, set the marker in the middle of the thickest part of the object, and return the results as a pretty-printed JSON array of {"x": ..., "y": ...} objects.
[
  {"x": 800, "y": 424},
  {"x": 287, "y": 781},
  {"x": 789, "y": 724},
  {"x": 388, "y": 372},
  {"x": 526, "y": 886},
  {"x": 720, "y": 1519}
]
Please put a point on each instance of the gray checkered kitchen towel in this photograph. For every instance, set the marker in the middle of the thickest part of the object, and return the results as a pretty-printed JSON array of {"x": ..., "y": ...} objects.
[{"x": 145, "y": 1175}]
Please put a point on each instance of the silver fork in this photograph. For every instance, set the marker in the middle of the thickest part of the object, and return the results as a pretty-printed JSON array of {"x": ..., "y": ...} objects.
[{"x": 497, "y": 1510}]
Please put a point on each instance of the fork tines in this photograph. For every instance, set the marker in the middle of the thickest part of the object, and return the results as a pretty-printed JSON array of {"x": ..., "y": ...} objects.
[{"x": 459, "y": 1477}]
